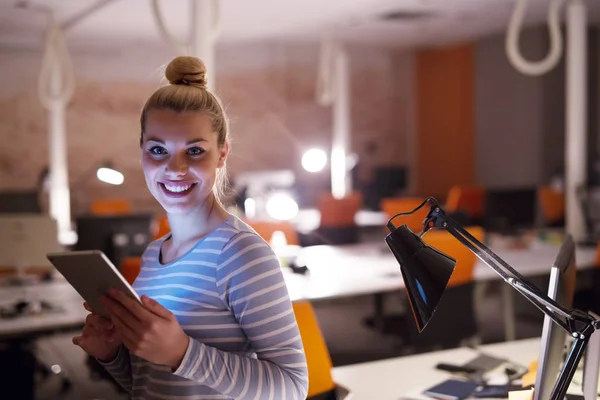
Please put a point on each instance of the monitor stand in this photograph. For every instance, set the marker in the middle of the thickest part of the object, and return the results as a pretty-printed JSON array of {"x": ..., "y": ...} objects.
[{"x": 591, "y": 366}]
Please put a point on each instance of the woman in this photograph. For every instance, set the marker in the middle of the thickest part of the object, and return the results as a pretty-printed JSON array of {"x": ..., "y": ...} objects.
[{"x": 216, "y": 320}]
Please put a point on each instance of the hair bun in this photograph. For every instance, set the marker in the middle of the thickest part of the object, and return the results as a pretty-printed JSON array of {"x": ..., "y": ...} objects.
[{"x": 186, "y": 70}]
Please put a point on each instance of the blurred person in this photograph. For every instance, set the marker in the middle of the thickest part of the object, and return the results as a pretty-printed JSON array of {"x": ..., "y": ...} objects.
[{"x": 216, "y": 321}]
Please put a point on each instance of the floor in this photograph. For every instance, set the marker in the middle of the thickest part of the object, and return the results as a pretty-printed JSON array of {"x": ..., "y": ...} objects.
[{"x": 349, "y": 341}]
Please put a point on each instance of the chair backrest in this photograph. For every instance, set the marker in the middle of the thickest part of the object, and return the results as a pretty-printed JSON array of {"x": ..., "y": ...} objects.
[
  {"x": 395, "y": 205},
  {"x": 339, "y": 212},
  {"x": 130, "y": 268},
  {"x": 468, "y": 199},
  {"x": 318, "y": 360},
  {"x": 163, "y": 227},
  {"x": 454, "y": 319},
  {"x": 552, "y": 203},
  {"x": 266, "y": 229},
  {"x": 465, "y": 259},
  {"x": 110, "y": 207}
]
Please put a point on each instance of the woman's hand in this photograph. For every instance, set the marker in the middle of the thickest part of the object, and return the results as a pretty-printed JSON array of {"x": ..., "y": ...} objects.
[
  {"x": 98, "y": 338},
  {"x": 149, "y": 331}
]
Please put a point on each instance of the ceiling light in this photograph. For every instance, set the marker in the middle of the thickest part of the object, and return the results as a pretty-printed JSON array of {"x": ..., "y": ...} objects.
[{"x": 314, "y": 160}]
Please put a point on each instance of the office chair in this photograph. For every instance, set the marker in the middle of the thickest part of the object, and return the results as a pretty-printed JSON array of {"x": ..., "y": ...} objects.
[
  {"x": 449, "y": 329},
  {"x": 110, "y": 207},
  {"x": 337, "y": 225},
  {"x": 320, "y": 381}
]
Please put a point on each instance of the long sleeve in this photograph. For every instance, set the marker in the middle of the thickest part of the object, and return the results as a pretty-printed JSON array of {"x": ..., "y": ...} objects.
[
  {"x": 251, "y": 284},
  {"x": 120, "y": 369}
]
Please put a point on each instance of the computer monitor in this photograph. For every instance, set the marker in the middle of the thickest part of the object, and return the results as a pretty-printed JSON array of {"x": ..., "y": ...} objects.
[
  {"x": 507, "y": 210},
  {"x": 26, "y": 239},
  {"x": 259, "y": 185},
  {"x": 20, "y": 202},
  {"x": 561, "y": 288},
  {"x": 118, "y": 236}
]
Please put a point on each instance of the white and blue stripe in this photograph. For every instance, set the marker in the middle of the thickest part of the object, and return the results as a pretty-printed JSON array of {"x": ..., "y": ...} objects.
[{"x": 229, "y": 295}]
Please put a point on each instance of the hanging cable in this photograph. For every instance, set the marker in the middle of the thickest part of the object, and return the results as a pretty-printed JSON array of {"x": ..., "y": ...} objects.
[
  {"x": 183, "y": 47},
  {"x": 180, "y": 46},
  {"x": 56, "y": 56},
  {"x": 325, "y": 90},
  {"x": 512, "y": 39}
]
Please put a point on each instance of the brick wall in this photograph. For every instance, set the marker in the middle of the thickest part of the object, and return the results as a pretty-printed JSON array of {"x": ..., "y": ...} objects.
[{"x": 274, "y": 117}]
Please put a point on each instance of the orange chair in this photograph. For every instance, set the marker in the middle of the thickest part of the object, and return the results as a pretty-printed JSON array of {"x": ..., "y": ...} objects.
[
  {"x": 163, "y": 227},
  {"x": 454, "y": 320},
  {"x": 392, "y": 206},
  {"x": 318, "y": 360},
  {"x": 266, "y": 229},
  {"x": 467, "y": 199},
  {"x": 552, "y": 203},
  {"x": 130, "y": 268},
  {"x": 339, "y": 213},
  {"x": 111, "y": 207},
  {"x": 449, "y": 245}
]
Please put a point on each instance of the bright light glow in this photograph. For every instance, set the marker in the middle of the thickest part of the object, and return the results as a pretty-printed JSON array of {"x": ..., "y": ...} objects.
[
  {"x": 109, "y": 175},
  {"x": 278, "y": 240},
  {"x": 314, "y": 160},
  {"x": 282, "y": 207},
  {"x": 250, "y": 207},
  {"x": 338, "y": 172},
  {"x": 67, "y": 238}
]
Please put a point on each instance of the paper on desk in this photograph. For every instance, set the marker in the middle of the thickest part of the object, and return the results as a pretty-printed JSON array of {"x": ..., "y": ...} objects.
[
  {"x": 521, "y": 395},
  {"x": 529, "y": 379}
]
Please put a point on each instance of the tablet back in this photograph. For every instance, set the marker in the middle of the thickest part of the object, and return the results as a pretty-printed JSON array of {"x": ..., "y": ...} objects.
[{"x": 92, "y": 274}]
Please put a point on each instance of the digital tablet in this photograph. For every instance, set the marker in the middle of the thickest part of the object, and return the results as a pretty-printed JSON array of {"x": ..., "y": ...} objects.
[{"x": 91, "y": 274}]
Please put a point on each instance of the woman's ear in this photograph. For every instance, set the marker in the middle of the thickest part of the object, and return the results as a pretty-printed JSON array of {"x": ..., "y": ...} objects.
[{"x": 223, "y": 153}]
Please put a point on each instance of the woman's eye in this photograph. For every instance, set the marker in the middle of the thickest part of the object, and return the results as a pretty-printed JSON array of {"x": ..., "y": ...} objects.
[
  {"x": 195, "y": 151},
  {"x": 157, "y": 150}
]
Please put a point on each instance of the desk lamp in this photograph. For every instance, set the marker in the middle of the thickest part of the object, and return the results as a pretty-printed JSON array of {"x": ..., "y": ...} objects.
[{"x": 426, "y": 272}]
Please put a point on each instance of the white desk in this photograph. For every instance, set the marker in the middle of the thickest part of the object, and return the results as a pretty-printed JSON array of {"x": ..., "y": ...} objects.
[
  {"x": 367, "y": 268},
  {"x": 409, "y": 376},
  {"x": 335, "y": 272},
  {"x": 57, "y": 293}
]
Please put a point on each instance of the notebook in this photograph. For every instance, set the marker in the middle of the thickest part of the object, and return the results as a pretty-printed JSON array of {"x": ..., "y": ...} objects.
[{"x": 452, "y": 389}]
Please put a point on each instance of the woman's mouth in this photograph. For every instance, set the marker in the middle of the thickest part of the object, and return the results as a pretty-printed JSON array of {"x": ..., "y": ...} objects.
[{"x": 177, "y": 189}]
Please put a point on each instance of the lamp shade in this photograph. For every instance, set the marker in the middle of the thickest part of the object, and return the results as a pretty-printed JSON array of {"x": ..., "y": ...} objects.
[{"x": 425, "y": 270}]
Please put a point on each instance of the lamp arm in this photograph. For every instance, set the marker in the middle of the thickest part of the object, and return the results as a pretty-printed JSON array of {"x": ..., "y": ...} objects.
[
  {"x": 439, "y": 219},
  {"x": 580, "y": 325}
]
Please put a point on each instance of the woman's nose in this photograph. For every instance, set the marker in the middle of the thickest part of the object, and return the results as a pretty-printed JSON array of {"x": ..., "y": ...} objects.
[{"x": 177, "y": 166}]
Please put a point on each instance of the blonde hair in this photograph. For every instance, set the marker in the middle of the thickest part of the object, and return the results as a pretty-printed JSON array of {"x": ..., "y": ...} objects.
[{"x": 187, "y": 92}]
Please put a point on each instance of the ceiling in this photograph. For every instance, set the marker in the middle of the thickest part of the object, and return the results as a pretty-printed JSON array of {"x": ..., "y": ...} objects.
[{"x": 131, "y": 22}]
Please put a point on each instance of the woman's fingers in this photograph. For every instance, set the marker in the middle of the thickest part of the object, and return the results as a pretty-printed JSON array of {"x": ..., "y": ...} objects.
[
  {"x": 78, "y": 340},
  {"x": 124, "y": 331},
  {"x": 99, "y": 322},
  {"x": 105, "y": 335}
]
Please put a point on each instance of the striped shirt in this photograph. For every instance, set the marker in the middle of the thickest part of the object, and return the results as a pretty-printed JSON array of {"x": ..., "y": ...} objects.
[{"x": 229, "y": 296}]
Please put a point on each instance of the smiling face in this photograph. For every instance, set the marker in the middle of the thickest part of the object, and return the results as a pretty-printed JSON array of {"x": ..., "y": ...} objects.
[{"x": 180, "y": 158}]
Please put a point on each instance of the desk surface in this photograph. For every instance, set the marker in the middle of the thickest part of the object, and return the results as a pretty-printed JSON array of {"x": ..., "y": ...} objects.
[
  {"x": 335, "y": 272},
  {"x": 58, "y": 293},
  {"x": 408, "y": 376},
  {"x": 367, "y": 268}
]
